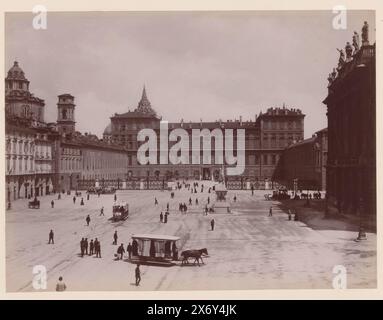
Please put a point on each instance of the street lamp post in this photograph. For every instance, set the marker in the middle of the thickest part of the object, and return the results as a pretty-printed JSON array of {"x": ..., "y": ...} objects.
[
  {"x": 362, "y": 233},
  {"x": 326, "y": 213}
]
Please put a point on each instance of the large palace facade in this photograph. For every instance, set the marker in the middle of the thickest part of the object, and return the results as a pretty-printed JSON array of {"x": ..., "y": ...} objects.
[
  {"x": 42, "y": 157},
  {"x": 265, "y": 138}
]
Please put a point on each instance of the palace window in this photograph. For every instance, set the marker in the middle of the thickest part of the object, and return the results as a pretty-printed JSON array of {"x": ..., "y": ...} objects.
[
  {"x": 273, "y": 159},
  {"x": 265, "y": 159},
  {"x": 273, "y": 141},
  {"x": 265, "y": 141}
]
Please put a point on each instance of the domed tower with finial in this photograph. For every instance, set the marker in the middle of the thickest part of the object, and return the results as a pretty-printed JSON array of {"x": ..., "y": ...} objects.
[
  {"x": 19, "y": 102},
  {"x": 65, "y": 118},
  {"x": 16, "y": 80}
]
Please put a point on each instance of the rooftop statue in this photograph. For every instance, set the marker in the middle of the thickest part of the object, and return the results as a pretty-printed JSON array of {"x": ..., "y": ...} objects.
[
  {"x": 341, "y": 60},
  {"x": 355, "y": 41},
  {"x": 348, "y": 49},
  {"x": 329, "y": 78},
  {"x": 365, "y": 33}
]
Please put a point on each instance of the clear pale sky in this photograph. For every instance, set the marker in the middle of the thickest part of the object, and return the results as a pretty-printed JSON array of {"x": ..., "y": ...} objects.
[{"x": 195, "y": 65}]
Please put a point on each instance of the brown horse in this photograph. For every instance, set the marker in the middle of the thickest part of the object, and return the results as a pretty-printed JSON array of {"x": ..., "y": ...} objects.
[{"x": 196, "y": 254}]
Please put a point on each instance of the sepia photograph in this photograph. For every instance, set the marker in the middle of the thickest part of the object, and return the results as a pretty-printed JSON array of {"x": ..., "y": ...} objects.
[{"x": 190, "y": 150}]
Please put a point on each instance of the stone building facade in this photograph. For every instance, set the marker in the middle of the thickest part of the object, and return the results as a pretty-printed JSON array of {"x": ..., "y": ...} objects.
[
  {"x": 351, "y": 113},
  {"x": 265, "y": 139},
  {"x": 28, "y": 151},
  {"x": 84, "y": 160},
  {"x": 304, "y": 164},
  {"x": 41, "y": 157}
]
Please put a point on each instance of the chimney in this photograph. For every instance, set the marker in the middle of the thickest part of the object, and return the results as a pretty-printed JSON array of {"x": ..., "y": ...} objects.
[{"x": 240, "y": 120}]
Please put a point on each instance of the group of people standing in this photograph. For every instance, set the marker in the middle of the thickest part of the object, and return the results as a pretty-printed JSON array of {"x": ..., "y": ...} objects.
[
  {"x": 93, "y": 246},
  {"x": 164, "y": 217},
  {"x": 183, "y": 207},
  {"x": 121, "y": 251}
]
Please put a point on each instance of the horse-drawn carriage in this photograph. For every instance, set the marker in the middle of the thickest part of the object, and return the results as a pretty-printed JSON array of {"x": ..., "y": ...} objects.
[
  {"x": 162, "y": 250},
  {"x": 268, "y": 196},
  {"x": 108, "y": 190},
  {"x": 35, "y": 204},
  {"x": 120, "y": 211},
  {"x": 154, "y": 249},
  {"x": 77, "y": 193},
  {"x": 95, "y": 190}
]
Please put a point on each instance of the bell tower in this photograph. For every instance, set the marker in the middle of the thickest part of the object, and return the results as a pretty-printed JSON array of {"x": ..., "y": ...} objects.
[{"x": 65, "y": 117}]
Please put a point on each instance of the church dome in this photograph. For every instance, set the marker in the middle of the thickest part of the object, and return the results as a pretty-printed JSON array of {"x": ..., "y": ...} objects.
[
  {"x": 108, "y": 129},
  {"x": 16, "y": 73}
]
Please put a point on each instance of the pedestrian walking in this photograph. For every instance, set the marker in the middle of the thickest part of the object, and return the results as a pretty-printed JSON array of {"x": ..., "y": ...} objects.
[
  {"x": 155, "y": 201},
  {"x": 82, "y": 202},
  {"x": 102, "y": 211},
  {"x": 271, "y": 212},
  {"x": 51, "y": 235},
  {"x": 87, "y": 197},
  {"x": 91, "y": 247},
  {"x": 161, "y": 217},
  {"x": 235, "y": 198},
  {"x": 212, "y": 222},
  {"x": 97, "y": 247},
  {"x": 59, "y": 196},
  {"x": 87, "y": 219},
  {"x": 196, "y": 201},
  {"x": 74, "y": 199},
  {"x": 134, "y": 247},
  {"x": 208, "y": 200},
  {"x": 82, "y": 248},
  {"x": 129, "y": 250},
  {"x": 190, "y": 201},
  {"x": 138, "y": 275},
  {"x": 60, "y": 286},
  {"x": 52, "y": 204},
  {"x": 86, "y": 246},
  {"x": 115, "y": 197},
  {"x": 167, "y": 206},
  {"x": 166, "y": 217},
  {"x": 121, "y": 251},
  {"x": 115, "y": 237}
]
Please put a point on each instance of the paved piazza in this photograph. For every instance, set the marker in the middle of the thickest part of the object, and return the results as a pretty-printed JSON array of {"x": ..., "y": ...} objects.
[{"x": 247, "y": 249}]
